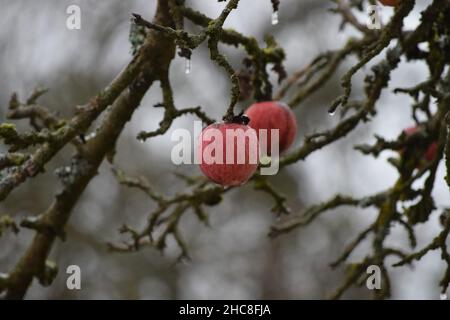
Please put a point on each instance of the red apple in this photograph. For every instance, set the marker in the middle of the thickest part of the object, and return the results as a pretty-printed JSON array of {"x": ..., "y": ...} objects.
[
  {"x": 271, "y": 115},
  {"x": 430, "y": 153},
  {"x": 390, "y": 3},
  {"x": 229, "y": 153}
]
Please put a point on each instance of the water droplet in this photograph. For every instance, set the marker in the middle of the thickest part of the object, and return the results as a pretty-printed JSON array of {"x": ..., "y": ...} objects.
[
  {"x": 443, "y": 296},
  {"x": 187, "y": 66},
  {"x": 275, "y": 19},
  {"x": 332, "y": 112}
]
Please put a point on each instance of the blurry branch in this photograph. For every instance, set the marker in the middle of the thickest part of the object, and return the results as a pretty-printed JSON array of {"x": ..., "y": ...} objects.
[
  {"x": 154, "y": 44},
  {"x": 152, "y": 61},
  {"x": 18, "y": 141},
  {"x": 447, "y": 150},
  {"x": 419, "y": 141},
  {"x": 39, "y": 116},
  {"x": 311, "y": 78},
  {"x": 374, "y": 85},
  {"x": 427, "y": 205},
  {"x": 352, "y": 246},
  {"x": 314, "y": 211},
  {"x": 53, "y": 141},
  {"x": 386, "y": 202},
  {"x": 382, "y": 145},
  {"x": 262, "y": 184},
  {"x": 392, "y": 29},
  {"x": 190, "y": 42},
  {"x": 213, "y": 31},
  {"x": 171, "y": 112},
  {"x": 319, "y": 140},
  {"x": 410, "y": 166},
  {"x": 163, "y": 221},
  {"x": 258, "y": 58},
  {"x": 344, "y": 9},
  {"x": 234, "y": 38},
  {"x": 439, "y": 242},
  {"x": 44, "y": 122},
  {"x": 322, "y": 68},
  {"x": 165, "y": 218},
  {"x": 382, "y": 201},
  {"x": 356, "y": 273},
  {"x": 12, "y": 159},
  {"x": 6, "y": 222}
]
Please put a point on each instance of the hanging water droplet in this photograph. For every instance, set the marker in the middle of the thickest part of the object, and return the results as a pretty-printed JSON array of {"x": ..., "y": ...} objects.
[
  {"x": 443, "y": 296},
  {"x": 275, "y": 18},
  {"x": 332, "y": 112},
  {"x": 187, "y": 66}
]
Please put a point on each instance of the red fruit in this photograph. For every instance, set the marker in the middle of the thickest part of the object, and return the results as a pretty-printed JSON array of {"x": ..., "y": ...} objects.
[
  {"x": 238, "y": 146},
  {"x": 430, "y": 154},
  {"x": 274, "y": 115},
  {"x": 390, "y": 3}
]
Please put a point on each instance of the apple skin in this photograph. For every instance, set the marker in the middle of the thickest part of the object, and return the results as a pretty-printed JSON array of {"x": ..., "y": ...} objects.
[
  {"x": 431, "y": 152},
  {"x": 274, "y": 115},
  {"x": 229, "y": 174},
  {"x": 390, "y": 3}
]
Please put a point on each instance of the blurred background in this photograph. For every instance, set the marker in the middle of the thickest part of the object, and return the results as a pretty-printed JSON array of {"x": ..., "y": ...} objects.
[{"x": 234, "y": 258}]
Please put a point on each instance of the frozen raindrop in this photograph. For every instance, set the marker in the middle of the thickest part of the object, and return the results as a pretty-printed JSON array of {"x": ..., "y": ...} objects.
[
  {"x": 187, "y": 66},
  {"x": 275, "y": 19},
  {"x": 443, "y": 296}
]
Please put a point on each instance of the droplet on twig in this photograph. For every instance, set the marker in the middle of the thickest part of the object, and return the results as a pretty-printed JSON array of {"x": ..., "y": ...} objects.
[
  {"x": 187, "y": 66},
  {"x": 443, "y": 296},
  {"x": 275, "y": 19},
  {"x": 332, "y": 112}
]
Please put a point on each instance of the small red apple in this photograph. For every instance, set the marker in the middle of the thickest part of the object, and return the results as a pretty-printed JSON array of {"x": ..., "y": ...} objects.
[
  {"x": 390, "y": 3},
  {"x": 274, "y": 115},
  {"x": 228, "y": 152},
  {"x": 430, "y": 153}
]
